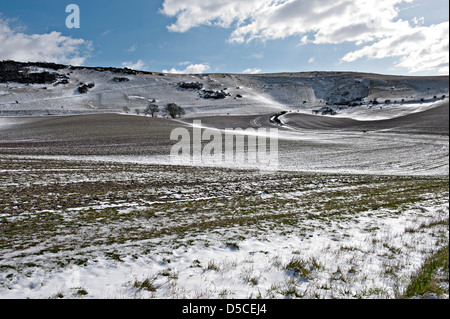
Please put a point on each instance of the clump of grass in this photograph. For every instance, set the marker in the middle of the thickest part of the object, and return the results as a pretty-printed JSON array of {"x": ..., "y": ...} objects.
[
  {"x": 444, "y": 221},
  {"x": 196, "y": 263},
  {"x": 253, "y": 280},
  {"x": 424, "y": 281},
  {"x": 114, "y": 256},
  {"x": 299, "y": 267},
  {"x": 338, "y": 275},
  {"x": 291, "y": 291},
  {"x": 80, "y": 292},
  {"x": 250, "y": 278},
  {"x": 225, "y": 293},
  {"x": 317, "y": 264},
  {"x": 348, "y": 248},
  {"x": 146, "y": 284},
  {"x": 212, "y": 266},
  {"x": 169, "y": 273},
  {"x": 59, "y": 295}
]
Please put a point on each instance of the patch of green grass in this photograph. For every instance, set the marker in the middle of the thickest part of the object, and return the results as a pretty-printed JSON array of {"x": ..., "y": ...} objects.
[
  {"x": 433, "y": 223},
  {"x": 113, "y": 256},
  {"x": 424, "y": 281}
]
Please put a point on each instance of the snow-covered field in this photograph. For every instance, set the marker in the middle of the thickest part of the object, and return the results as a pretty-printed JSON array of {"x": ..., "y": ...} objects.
[
  {"x": 74, "y": 229},
  {"x": 369, "y": 256},
  {"x": 325, "y": 152},
  {"x": 378, "y": 112}
]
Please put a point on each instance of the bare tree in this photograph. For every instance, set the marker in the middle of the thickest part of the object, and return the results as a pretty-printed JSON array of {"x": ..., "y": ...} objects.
[
  {"x": 151, "y": 109},
  {"x": 174, "y": 110}
]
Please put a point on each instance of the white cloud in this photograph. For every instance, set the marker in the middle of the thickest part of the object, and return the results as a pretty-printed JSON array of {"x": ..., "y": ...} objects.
[
  {"x": 304, "y": 40},
  {"x": 418, "y": 49},
  {"x": 139, "y": 65},
  {"x": 190, "y": 69},
  {"x": 362, "y": 22},
  {"x": 107, "y": 32},
  {"x": 48, "y": 47},
  {"x": 252, "y": 71},
  {"x": 331, "y": 21},
  {"x": 311, "y": 60},
  {"x": 194, "y": 13},
  {"x": 418, "y": 21}
]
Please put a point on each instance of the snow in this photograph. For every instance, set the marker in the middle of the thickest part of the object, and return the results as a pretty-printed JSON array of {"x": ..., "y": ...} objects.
[
  {"x": 8, "y": 122},
  {"x": 197, "y": 271},
  {"x": 383, "y": 112},
  {"x": 262, "y": 94},
  {"x": 347, "y": 258},
  {"x": 330, "y": 152}
]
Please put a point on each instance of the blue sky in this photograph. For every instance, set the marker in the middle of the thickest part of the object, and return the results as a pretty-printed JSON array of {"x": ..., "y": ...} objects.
[{"x": 407, "y": 37}]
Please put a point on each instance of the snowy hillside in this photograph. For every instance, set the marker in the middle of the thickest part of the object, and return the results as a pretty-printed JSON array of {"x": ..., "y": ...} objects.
[{"x": 40, "y": 89}]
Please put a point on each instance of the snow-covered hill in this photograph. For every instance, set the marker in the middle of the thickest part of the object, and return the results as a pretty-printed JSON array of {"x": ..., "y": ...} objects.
[{"x": 54, "y": 89}]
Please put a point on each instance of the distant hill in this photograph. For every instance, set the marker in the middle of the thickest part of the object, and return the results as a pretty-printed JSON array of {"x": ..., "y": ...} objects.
[{"x": 48, "y": 88}]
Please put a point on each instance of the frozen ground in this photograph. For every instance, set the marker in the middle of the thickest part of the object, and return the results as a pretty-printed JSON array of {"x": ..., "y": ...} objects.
[
  {"x": 98, "y": 214},
  {"x": 91, "y": 205},
  {"x": 378, "y": 112},
  {"x": 75, "y": 229},
  {"x": 414, "y": 144}
]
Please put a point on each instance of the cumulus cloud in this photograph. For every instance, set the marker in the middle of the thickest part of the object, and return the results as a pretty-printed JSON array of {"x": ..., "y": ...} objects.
[
  {"x": 418, "y": 49},
  {"x": 190, "y": 69},
  {"x": 363, "y": 22},
  {"x": 252, "y": 71},
  {"x": 48, "y": 47},
  {"x": 332, "y": 21},
  {"x": 139, "y": 65},
  {"x": 194, "y": 13}
]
